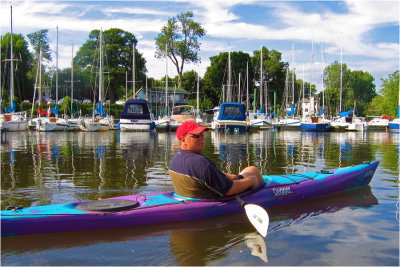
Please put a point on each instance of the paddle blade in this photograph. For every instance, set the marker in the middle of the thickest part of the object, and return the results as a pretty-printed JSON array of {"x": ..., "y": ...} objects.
[{"x": 258, "y": 217}]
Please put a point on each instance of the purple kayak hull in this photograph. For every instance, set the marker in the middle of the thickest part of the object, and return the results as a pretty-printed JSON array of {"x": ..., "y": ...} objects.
[{"x": 167, "y": 207}]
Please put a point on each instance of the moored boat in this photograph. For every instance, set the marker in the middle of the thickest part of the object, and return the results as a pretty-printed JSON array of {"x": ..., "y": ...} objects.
[
  {"x": 164, "y": 207},
  {"x": 378, "y": 124},
  {"x": 180, "y": 114},
  {"x": 315, "y": 124},
  {"x": 136, "y": 116},
  {"x": 394, "y": 125},
  {"x": 231, "y": 117}
]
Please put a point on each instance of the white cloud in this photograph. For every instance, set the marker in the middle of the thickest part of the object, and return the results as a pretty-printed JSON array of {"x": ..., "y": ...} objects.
[{"x": 226, "y": 26}]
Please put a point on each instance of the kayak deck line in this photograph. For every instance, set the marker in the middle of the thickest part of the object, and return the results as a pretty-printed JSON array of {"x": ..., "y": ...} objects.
[{"x": 164, "y": 207}]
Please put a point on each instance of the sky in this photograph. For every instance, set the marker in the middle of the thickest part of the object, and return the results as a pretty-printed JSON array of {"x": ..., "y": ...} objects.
[{"x": 362, "y": 34}]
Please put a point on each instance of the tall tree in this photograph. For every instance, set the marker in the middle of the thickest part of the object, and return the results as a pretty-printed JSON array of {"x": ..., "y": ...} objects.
[
  {"x": 216, "y": 75},
  {"x": 39, "y": 41},
  {"x": 23, "y": 76},
  {"x": 387, "y": 101},
  {"x": 332, "y": 87},
  {"x": 362, "y": 91},
  {"x": 118, "y": 48},
  {"x": 179, "y": 39},
  {"x": 358, "y": 89}
]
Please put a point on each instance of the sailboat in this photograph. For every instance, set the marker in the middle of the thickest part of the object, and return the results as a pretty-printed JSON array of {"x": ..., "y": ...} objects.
[
  {"x": 231, "y": 116},
  {"x": 394, "y": 126},
  {"x": 136, "y": 115},
  {"x": 318, "y": 123},
  {"x": 52, "y": 124},
  {"x": 12, "y": 121},
  {"x": 341, "y": 123},
  {"x": 73, "y": 122},
  {"x": 99, "y": 121},
  {"x": 259, "y": 120},
  {"x": 162, "y": 123},
  {"x": 289, "y": 122},
  {"x": 198, "y": 119}
]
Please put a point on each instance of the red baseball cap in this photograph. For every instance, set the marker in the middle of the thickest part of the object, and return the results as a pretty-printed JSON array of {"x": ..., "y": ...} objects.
[{"x": 189, "y": 127}]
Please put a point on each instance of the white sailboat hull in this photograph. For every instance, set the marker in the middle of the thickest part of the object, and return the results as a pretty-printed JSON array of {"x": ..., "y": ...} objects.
[
  {"x": 13, "y": 122},
  {"x": 94, "y": 124},
  {"x": 51, "y": 124}
]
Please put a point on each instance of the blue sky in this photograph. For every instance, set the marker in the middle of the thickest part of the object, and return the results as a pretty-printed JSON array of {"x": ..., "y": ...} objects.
[{"x": 369, "y": 29}]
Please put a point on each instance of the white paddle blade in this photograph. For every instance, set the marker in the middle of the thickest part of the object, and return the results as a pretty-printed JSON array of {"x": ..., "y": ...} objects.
[{"x": 258, "y": 217}]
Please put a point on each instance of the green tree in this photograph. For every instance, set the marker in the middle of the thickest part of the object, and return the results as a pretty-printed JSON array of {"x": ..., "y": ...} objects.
[
  {"x": 216, "y": 75},
  {"x": 39, "y": 41},
  {"x": 23, "y": 78},
  {"x": 332, "y": 83},
  {"x": 362, "y": 91},
  {"x": 358, "y": 89},
  {"x": 189, "y": 82},
  {"x": 386, "y": 103},
  {"x": 179, "y": 39},
  {"x": 118, "y": 47}
]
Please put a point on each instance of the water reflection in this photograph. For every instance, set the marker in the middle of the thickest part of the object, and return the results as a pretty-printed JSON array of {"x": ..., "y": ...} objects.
[
  {"x": 45, "y": 167},
  {"x": 40, "y": 168}
]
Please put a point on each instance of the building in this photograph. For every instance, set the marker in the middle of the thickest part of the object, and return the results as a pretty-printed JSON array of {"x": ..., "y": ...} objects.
[{"x": 156, "y": 97}]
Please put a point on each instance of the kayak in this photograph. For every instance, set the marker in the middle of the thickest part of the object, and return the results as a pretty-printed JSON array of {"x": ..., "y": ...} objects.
[{"x": 152, "y": 208}]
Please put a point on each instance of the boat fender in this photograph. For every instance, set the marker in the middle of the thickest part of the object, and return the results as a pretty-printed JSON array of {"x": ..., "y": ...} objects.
[
  {"x": 108, "y": 205},
  {"x": 326, "y": 172}
]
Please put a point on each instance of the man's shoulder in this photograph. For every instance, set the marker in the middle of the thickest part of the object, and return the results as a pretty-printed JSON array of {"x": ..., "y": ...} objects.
[{"x": 189, "y": 155}]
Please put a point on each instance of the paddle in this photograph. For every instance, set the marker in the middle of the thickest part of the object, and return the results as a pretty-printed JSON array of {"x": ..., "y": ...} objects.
[{"x": 257, "y": 216}]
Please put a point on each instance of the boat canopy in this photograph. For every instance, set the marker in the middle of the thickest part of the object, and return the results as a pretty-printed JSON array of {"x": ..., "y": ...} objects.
[
  {"x": 135, "y": 109},
  {"x": 232, "y": 111}
]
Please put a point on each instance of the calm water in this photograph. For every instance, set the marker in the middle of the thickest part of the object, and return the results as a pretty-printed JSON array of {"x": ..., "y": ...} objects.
[{"x": 360, "y": 227}]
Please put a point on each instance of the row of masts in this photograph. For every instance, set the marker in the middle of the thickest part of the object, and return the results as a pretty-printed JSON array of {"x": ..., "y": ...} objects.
[{"x": 227, "y": 95}]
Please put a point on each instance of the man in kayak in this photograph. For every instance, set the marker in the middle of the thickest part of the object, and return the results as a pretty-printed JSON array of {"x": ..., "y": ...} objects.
[{"x": 195, "y": 176}]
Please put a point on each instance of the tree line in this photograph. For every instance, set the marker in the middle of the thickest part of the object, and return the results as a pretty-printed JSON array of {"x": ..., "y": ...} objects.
[{"x": 179, "y": 40}]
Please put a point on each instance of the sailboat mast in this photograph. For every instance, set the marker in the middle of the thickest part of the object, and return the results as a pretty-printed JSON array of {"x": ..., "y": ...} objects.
[
  {"x": 11, "y": 64},
  {"x": 322, "y": 82},
  {"x": 198, "y": 94},
  {"x": 57, "y": 69},
  {"x": 166, "y": 79},
  {"x": 303, "y": 93},
  {"x": 293, "y": 81},
  {"x": 247, "y": 86},
  {"x": 311, "y": 74},
  {"x": 133, "y": 71},
  {"x": 72, "y": 78},
  {"x": 101, "y": 68},
  {"x": 40, "y": 76},
  {"x": 229, "y": 91},
  {"x": 341, "y": 71},
  {"x": 239, "y": 93},
  {"x": 261, "y": 77}
]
